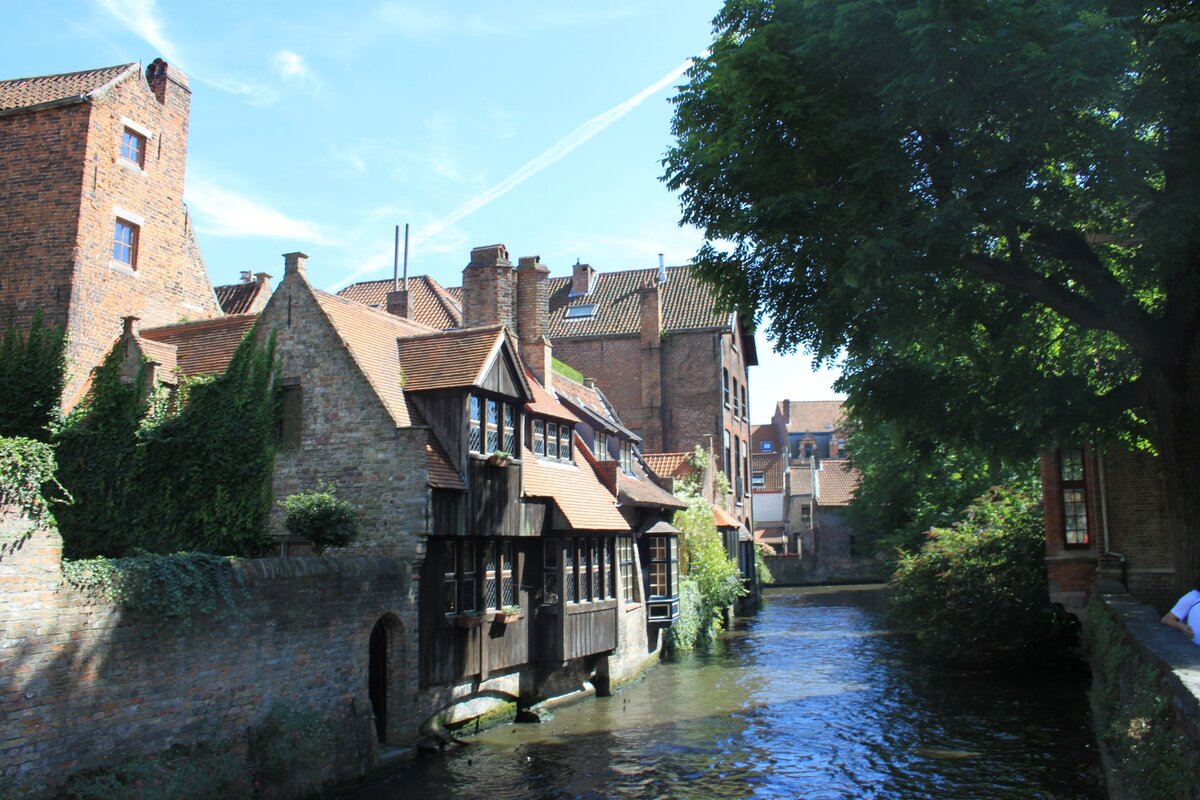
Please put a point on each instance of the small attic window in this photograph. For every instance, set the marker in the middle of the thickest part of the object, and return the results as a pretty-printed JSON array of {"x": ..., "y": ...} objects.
[{"x": 581, "y": 312}]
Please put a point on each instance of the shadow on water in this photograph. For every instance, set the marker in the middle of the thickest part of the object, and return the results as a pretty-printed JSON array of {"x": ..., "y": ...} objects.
[{"x": 814, "y": 697}]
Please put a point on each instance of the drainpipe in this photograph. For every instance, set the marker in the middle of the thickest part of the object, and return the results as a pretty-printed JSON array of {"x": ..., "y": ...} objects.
[{"x": 1104, "y": 501}]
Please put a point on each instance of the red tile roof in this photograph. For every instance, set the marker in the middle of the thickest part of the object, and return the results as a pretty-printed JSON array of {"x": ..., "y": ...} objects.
[
  {"x": 802, "y": 479},
  {"x": 545, "y": 403},
  {"x": 577, "y": 492},
  {"x": 670, "y": 465},
  {"x": 370, "y": 337},
  {"x": 835, "y": 483},
  {"x": 638, "y": 489},
  {"x": 771, "y": 466},
  {"x": 159, "y": 353},
  {"x": 428, "y": 300},
  {"x": 243, "y": 298},
  {"x": 449, "y": 359},
  {"x": 686, "y": 303},
  {"x": 811, "y": 416},
  {"x": 201, "y": 348},
  {"x": 72, "y": 86},
  {"x": 442, "y": 474},
  {"x": 722, "y": 518}
]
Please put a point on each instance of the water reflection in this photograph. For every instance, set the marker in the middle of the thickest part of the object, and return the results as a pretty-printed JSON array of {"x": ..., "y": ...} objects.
[{"x": 813, "y": 698}]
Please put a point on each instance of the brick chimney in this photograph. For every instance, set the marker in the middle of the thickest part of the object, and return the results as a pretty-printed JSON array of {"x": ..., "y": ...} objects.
[
  {"x": 488, "y": 288},
  {"x": 651, "y": 367},
  {"x": 295, "y": 264},
  {"x": 397, "y": 303},
  {"x": 262, "y": 277},
  {"x": 533, "y": 318},
  {"x": 168, "y": 82},
  {"x": 582, "y": 277}
]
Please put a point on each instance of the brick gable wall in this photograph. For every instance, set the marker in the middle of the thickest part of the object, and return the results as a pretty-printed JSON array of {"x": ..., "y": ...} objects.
[{"x": 57, "y": 233}]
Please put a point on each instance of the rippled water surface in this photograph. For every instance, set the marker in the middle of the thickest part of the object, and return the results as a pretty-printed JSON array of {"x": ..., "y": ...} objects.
[{"x": 812, "y": 698}]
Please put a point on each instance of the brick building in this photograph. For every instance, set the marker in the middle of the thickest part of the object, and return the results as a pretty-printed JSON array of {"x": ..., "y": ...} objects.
[
  {"x": 673, "y": 366},
  {"x": 1106, "y": 525},
  {"x": 93, "y": 226}
]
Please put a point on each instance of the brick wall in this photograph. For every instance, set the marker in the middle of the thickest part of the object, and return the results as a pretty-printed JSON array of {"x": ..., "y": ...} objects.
[
  {"x": 84, "y": 683},
  {"x": 56, "y": 229}
]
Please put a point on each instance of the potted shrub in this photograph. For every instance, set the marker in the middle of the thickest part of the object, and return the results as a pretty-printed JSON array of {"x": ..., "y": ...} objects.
[
  {"x": 508, "y": 614},
  {"x": 321, "y": 518},
  {"x": 499, "y": 458}
]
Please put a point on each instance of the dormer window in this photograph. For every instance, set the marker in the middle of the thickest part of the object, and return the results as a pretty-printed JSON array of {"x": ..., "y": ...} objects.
[
  {"x": 627, "y": 457},
  {"x": 600, "y": 446},
  {"x": 493, "y": 425},
  {"x": 510, "y": 426},
  {"x": 550, "y": 439}
]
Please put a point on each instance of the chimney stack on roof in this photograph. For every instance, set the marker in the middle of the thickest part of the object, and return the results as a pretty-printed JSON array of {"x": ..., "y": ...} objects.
[
  {"x": 533, "y": 317},
  {"x": 129, "y": 325},
  {"x": 397, "y": 303},
  {"x": 488, "y": 288},
  {"x": 165, "y": 80},
  {"x": 262, "y": 277},
  {"x": 295, "y": 264},
  {"x": 662, "y": 269},
  {"x": 582, "y": 278},
  {"x": 247, "y": 276}
]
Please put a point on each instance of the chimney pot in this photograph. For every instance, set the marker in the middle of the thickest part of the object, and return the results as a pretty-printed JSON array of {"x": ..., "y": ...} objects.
[
  {"x": 295, "y": 263},
  {"x": 246, "y": 276},
  {"x": 130, "y": 325},
  {"x": 262, "y": 277}
]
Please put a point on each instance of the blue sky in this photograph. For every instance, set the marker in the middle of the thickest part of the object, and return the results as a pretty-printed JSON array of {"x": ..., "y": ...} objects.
[{"x": 320, "y": 127}]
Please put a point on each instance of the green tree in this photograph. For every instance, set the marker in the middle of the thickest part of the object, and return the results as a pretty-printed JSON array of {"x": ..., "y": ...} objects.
[
  {"x": 908, "y": 487},
  {"x": 989, "y": 205},
  {"x": 33, "y": 369},
  {"x": 976, "y": 592}
]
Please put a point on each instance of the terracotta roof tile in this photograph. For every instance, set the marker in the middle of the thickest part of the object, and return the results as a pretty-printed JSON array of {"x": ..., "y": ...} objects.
[
  {"x": 161, "y": 353},
  {"x": 243, "y": 298},
  {"x": 771, "y": 466},
  {"x": 835, "y": 483},
  {"x": 812, "y": 416},
  {"x": 545, "y": 403},
  {"x": 670, "y": 465},
  {"x": 578, "y": 493},
  {"x": 428, "y": 300},
  {"x": 686, "y": 303},
  {"x": 26, "y": 92},
  {"x": 768, "y": 534},
  {"x": 802, "y": 479},
  {"x": 371, "y": 336},
  {"x": 442, "y": 474},
  {"x": 722, "y": 518},
  {"x": 447, "y": 359},
  {"x": 638, "y": 489},
  {"x": 204, "y": 347}
]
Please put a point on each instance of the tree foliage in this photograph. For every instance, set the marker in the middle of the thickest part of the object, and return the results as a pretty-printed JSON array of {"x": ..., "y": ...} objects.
[
  {"x": 708, "y": 571},
  {"x": 33, "y": 368},
  {"x": 989, "y": 206},
  {"x": 321, "y": 517},
  {"x": 908, "y": 487},
  {"x": 977, "y": 593},
  {"x": 189, "y": 474}
]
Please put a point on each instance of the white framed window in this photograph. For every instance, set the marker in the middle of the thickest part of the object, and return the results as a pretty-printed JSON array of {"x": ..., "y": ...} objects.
[
  {"x": 126, "y": 235},
  {"x": 539, "y": 437},
  {"x": 600, "y": 446}
]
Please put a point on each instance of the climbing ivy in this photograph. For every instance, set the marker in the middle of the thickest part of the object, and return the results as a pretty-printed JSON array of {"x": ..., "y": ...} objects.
[
  {"x": 26, "y": 469},
  {"x": 708, "y": 569},
  {"x": 33, "y": 369},
  {"x": 186, "y": 473},
  {"x": 168, "y": 586}
]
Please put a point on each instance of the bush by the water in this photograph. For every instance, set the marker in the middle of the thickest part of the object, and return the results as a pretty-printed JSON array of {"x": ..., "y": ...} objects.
[
  {"x": 977, "y": 593},
  {"x": 712, "y": 581}
]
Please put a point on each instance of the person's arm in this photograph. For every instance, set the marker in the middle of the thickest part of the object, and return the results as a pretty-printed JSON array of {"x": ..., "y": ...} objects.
[{"x": 1172, "y": 621}]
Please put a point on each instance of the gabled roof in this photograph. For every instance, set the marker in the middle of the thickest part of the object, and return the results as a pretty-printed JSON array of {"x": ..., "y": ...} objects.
[
  {"x": 810, "y": 416},
  {"x": 243, "y": 298},
  {"x": 70, "y": 87},
  {"x": 591, "y": 402},
  {"x": 159, "y": 353},
  {"x": 370, "y": 337},
  {"x": 722, "y": 518},
  {"x": 638, "y": 489},
  {"x": 771, "y": 466},
  {"x": 428, "y": 301},
  {"x": 201, "y": 348},
  {"x": 802, "y": 479},
  {"x": 451, "y": 359},
  {"x": 834, "y": 483},
  {"x": 577, "y": 492},
  {"x": 545, "y": 403}
]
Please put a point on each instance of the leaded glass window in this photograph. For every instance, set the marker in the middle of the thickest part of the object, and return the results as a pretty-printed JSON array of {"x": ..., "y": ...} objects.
[{"x": 475, "y": 417}]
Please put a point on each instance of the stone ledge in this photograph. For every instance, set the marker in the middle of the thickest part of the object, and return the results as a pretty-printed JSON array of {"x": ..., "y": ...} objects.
[{"x": 1157, "y": 644}]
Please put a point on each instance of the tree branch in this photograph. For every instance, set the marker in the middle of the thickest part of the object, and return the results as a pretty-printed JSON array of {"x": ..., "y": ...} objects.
[{"x": 1074, "y": 307}]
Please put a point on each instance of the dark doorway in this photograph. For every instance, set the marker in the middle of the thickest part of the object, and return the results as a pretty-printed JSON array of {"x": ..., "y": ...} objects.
[{"x": 377, "y": 678}]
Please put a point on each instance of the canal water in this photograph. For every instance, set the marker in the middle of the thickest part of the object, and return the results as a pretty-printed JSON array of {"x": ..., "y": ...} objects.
[{"x": 814, "y": 697}]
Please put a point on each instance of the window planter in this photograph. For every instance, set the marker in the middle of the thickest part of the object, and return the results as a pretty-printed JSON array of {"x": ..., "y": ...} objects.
[
  {"x": 507, "y": 615},
  {"x": 473, "y": 620},
  {"x": 499, "y": 459}
]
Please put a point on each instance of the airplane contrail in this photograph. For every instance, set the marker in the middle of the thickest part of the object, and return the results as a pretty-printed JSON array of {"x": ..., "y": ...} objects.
[{"x": 556, "y": 152}]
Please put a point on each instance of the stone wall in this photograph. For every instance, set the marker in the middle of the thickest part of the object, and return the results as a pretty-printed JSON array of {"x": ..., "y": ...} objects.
[{"x": 85, "y": 683}]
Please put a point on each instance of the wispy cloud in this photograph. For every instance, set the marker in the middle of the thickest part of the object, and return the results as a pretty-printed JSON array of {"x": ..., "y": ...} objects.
[
  {"x": 289, "y": 64},
  {"x": 555, "y": 153},
  {"x": 223, "y": 212}
]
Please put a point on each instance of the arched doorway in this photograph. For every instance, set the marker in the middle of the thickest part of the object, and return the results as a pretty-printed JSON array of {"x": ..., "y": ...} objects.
[{"x": 377, "y": 678}]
